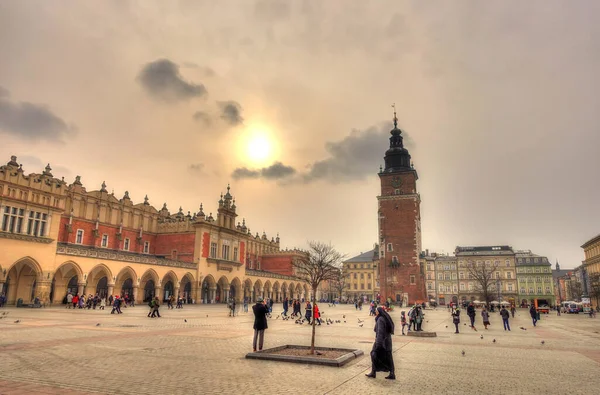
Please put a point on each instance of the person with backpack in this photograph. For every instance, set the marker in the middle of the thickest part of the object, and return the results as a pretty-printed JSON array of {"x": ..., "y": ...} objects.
[
  {"x": 155, "y": 307},
  {"x": 456, "y": 318},
  {"x": 151, "y": 305}
]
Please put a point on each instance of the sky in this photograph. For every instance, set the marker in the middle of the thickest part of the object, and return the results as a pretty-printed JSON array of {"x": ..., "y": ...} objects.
[{"x": 290, "y": 103}]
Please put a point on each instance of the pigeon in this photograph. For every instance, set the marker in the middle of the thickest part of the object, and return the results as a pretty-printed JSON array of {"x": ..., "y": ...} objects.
[
  {"x": 17, "y": 321},
  {"x": 98, "y": 324},
  {"x": 359, "y": 321},
  {"x": 344, "y": 321},
  {"x": 207, "y": 316},
  {"x": 344, "y": 316},
  {"x": 360, "y": 325},
  {"x": 319, "y": 353},
  {"x": 465, "y": 323},
  {"x": 327, "y": 322},
  {"x": 446, "y": 326},
  {"x": 481, "y": 337},
  {"x": 494, "y": 341},
  {"x": 277, "y": 317},
  {"x": 523, "y": 328},
  {"x": 184, "y": 320},
  {"x": 543, "y": 342},
  {"x": 463, "y": 353}
]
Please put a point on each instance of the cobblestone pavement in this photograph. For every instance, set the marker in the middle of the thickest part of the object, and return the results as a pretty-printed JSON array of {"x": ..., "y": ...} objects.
[{"x": 61, "y": 351}]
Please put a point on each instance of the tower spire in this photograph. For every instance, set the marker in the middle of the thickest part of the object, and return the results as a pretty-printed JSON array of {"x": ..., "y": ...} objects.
[{"x": 395, "y": 118}]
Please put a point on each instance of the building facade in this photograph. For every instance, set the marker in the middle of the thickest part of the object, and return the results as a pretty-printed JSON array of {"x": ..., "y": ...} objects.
[
  {"x": 57, "y": 238},
  {"x": 534, "y": 274},
  {"x": 591, "y": 267},
  {"x": 402, "y": 279},
  {"x": 362, "y": 276}
]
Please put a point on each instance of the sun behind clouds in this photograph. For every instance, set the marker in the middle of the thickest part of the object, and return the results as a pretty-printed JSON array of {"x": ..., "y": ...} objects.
[{"x": 258, "y": 145}]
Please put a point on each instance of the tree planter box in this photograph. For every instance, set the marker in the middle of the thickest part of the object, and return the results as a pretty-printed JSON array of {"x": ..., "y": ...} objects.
[
  {"x": 422, "y": 334},
  {"x": 277, "y": 354}
]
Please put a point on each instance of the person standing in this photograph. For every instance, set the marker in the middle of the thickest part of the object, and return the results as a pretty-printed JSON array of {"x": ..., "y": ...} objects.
[
  {"x": 382, "y": 359},
  {"x": 69, "y": 300},
  {"x": 471, "y": 313},
  {"x": 245, "y": 305},
  {"x": 505, "y": 315},
  {"x": 260, "y": 323},
  {"x": 533, "y": 314},
  {"x": 402, "y": 321},
  {"x": 486, "y": 317},
  {"x": 456, "y": 318},
  {"x": 102, "y": 303},
  {"x": 317, "y": 314},
  {"x": 170, "y": 301},
  {"x": 419, "y": 319}
]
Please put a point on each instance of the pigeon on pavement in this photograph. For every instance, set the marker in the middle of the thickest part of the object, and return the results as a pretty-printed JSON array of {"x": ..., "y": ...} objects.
[{"x": 463, "y": 353}]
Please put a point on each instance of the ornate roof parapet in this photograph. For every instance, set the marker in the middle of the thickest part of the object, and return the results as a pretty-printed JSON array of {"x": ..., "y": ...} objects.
[{"x": 44, "y": 182}]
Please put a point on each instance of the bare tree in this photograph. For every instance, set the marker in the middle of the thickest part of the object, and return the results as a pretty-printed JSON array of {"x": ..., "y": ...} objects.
[
  {"x": 320, "y": 263},
  {"x": 341, "y": 282},
  {"x": 482, "y": 276},
  {"x": 575, "y": 289}
]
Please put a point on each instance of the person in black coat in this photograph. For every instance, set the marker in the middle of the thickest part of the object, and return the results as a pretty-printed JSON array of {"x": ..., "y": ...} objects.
[
  {"x": 533, "y": 314},
  {"x": 382, "y": 359},
  {"x": 471, "y": 313},
  {"x": 260, "y": 323}
]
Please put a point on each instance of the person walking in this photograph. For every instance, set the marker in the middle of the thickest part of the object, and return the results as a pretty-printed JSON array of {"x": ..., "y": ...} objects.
[
  {"x": 285, "y": 306},
  {"x": 533, "y": 313},
  {"x": 102, "y": 303},
  {"x": 456, "y": 318},
  {"x": 486, "y": 317},
  {"x": 170, "y": 302},
  {"x": 151, "y": 305},
  {"x": 260, "y": 323},
  {"x": 232, "y": 306},
  {"x": 245, "y": 305},
  {"x": 308, "y": 312},
  {"x": 155, "y": 307},
  {"x": 317, "y": 314},
  {"x": 471, "y": 313},
  {"x": 512, "y": 310},
  {"x": 382, "y": 359},
  {"x": 505, "y": 315},
  {"x": 402, "y": 321},
  {"x": 419, "y": 319}
]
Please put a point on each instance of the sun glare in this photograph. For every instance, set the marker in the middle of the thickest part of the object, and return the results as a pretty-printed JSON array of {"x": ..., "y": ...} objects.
[{"x": 259, "y": 148}]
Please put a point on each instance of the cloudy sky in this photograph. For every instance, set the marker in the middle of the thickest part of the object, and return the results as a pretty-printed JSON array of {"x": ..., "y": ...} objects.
[{"x": 290, "y": 102}]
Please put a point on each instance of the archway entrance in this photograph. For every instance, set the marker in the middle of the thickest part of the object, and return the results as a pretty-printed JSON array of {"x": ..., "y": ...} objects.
[
  {"x": 232, "y": 295},
  {"x": 21, "y": 282},
  {"x": 168, "y": 290},
  {"x": 102, "y": 287},
  {"x": 127, "y": 288},
  {"x": 149, "y": 290},
  {"x": 187, "y": 292}
]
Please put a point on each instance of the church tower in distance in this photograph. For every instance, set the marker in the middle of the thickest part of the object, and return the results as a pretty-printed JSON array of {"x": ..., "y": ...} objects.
[{"x": 399, "y": 218}]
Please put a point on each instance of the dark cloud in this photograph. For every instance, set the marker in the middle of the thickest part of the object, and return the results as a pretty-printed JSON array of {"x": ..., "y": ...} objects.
[
  {"x": 356, "y": 156},
  {"x": 32, "y": 121},
  {"x": 231, "y": 112},
  {"x": 204, "y": 117},
  {"x": 196, "y": 167},
  {"x": 276, "y": 171},
  {"x": 162, "y": 80}
]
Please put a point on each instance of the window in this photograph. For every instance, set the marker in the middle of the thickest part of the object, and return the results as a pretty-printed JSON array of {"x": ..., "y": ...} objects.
[
  {"x": 362, "y": 276},
  {"x": 522, "y": 291},
  {"x": 369, "y": 276},
  {"x": 235, "y": 254},
  {"x": 497, "y": 274},
  {"x": 547, "y": 290},
  {"x": 470, "y": 287},
  {"x": 355, "y": 286},
  {"x": 510, "y": 287},
  {"x": 12, "y": 220},
  {"x": 79, "y": 236},
  {"x": 104, "y": 241},
  {"x": 174, "y": 254},
  {"x": 446, "y": 276},
  {"x": 126, "y": 245},
  {"x": 429, "y": 286},
  {"x": 390, "y": 247},
  {"x": 454, "y": 288},
  {"x": 440, "y": 276},
  {"x": 412, "y": 279},
  {"x": 394, "y": 260},
  {"x": 146, "y": 247},
  {"x": 537, "y": 269},
  {"x": 225, "y": 252},
  {"x": 397, "y": 191},
  {"x": 362, "y": 286},
  {"x": 446, "y": 267},
  {"x": 531, "y": 291},
  {"x": 441, "y": 288},
  {"x": 213, "y": 250},
  {"x": 369, "y": 286},
  {"x": 429, "y": 276},
  {"x": 507, "y": 263},
  {"x": 454, "y": 276},
  {"x": 508, "y": 275},
  {"x": 36, "y": 224},
  {"x": 462, "y": 287},
  {"x": 539, "y": 290},
  {"x": 362, "y": 265},
  {"x": 461, "y": 275},
  {"x": 355, "y": 276}
]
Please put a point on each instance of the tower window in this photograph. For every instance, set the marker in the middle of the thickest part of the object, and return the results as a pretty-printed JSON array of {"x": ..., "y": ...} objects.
[
  {"x": 104, "y": 242},
  {"x": 390, "y": 247},
  {"x": 146, "y": 247},
  {"x": 79, "y": 237},
  {"x": 126, "y": 245},
  {"x": 412, "y": 279},
  {"x": 396, "y": 192}
]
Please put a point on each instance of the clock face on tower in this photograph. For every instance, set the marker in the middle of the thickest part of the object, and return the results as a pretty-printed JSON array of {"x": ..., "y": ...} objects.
[{"x": 396, "y": 182}]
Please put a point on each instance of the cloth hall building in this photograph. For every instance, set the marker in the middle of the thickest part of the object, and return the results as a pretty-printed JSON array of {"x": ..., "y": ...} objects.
[{"x": 57, "y": 238}]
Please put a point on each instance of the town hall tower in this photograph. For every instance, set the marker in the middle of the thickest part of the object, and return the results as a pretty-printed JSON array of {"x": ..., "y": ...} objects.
[{"x": 400, "y": 275}]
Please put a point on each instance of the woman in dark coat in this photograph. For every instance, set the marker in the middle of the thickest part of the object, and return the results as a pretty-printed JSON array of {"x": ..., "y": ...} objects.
[{"x": 381, "y": 355}]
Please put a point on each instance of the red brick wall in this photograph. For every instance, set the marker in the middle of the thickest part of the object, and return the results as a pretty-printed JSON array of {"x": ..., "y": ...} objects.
[
  {"x": 182, "y": 242},
  {"x": 399, "y": 227},
  {"x": 242, "y": 252},
  {"x": 205, "y": 244},
  {"x": 113, "y": 242},
  {"x": 281, "y": 264}
]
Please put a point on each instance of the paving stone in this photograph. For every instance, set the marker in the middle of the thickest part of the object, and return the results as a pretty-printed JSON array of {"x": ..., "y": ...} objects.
[{"x": 133, "y": 354}]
